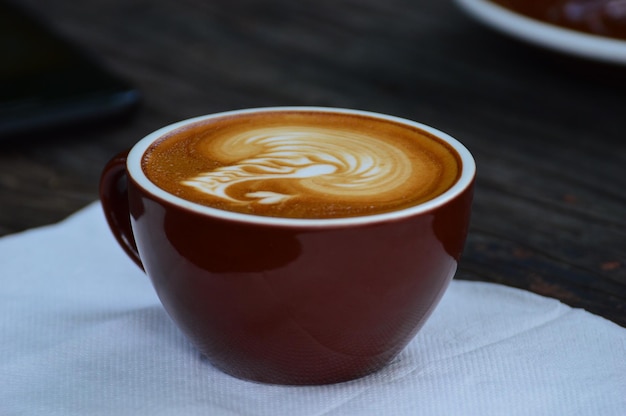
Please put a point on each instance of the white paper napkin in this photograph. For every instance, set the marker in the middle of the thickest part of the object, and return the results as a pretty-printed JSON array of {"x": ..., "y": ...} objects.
[{"x": 82, "y": 333}]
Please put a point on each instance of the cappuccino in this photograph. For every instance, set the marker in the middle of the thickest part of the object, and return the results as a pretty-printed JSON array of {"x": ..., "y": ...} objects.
[{"x": 302, "y": 164}]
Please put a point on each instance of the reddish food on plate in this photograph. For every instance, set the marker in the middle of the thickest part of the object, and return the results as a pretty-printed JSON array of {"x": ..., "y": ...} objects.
[{"x": 600, "y": 17}]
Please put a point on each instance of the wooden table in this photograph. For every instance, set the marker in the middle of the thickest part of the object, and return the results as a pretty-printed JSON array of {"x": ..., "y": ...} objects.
[{"x": 548, "y": 132}]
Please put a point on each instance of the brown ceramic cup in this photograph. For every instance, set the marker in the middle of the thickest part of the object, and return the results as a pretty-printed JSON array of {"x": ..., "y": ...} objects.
[{"x": 290, "y": 301}]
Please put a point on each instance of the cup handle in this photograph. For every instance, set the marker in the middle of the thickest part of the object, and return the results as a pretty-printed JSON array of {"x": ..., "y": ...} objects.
[{"x": 114, "y": 200}]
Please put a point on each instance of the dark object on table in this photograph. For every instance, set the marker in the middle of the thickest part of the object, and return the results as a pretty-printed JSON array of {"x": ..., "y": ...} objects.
[{"x": 46, "y": 82}]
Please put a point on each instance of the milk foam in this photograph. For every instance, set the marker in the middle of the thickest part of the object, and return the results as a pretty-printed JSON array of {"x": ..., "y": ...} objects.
[
  {"x": 302, "y": 164},
  {"x": 325, "y": 163}
]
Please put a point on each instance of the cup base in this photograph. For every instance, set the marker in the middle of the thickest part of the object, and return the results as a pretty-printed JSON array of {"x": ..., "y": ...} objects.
[{"x": 311, "y": 378}]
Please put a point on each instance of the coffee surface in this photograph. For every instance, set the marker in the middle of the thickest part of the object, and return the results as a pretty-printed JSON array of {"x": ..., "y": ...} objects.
[{"x": 300, "y": 164}]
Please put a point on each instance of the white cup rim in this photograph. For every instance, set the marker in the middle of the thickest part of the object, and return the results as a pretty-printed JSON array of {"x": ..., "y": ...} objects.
[{"x": 134, "y": 170}]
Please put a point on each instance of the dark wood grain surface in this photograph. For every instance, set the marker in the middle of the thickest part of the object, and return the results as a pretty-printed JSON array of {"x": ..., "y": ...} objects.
[{"x": 548, "y": 132}]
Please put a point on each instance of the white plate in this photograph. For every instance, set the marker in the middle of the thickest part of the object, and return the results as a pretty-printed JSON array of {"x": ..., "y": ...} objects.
[{"x": 546, "y": 35}]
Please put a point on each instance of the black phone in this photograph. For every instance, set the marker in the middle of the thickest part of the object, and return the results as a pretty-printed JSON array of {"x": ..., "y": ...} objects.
[{"x": 47, "y": 82}]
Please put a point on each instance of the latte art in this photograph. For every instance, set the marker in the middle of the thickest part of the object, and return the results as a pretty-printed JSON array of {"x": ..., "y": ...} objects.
[
  {"x": 322, "y": 162},
  {"x": 302, "y": 164}
]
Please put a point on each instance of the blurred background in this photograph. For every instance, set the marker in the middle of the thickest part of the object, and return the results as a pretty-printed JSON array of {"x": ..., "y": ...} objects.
[{"x": 547, "y": 130}]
